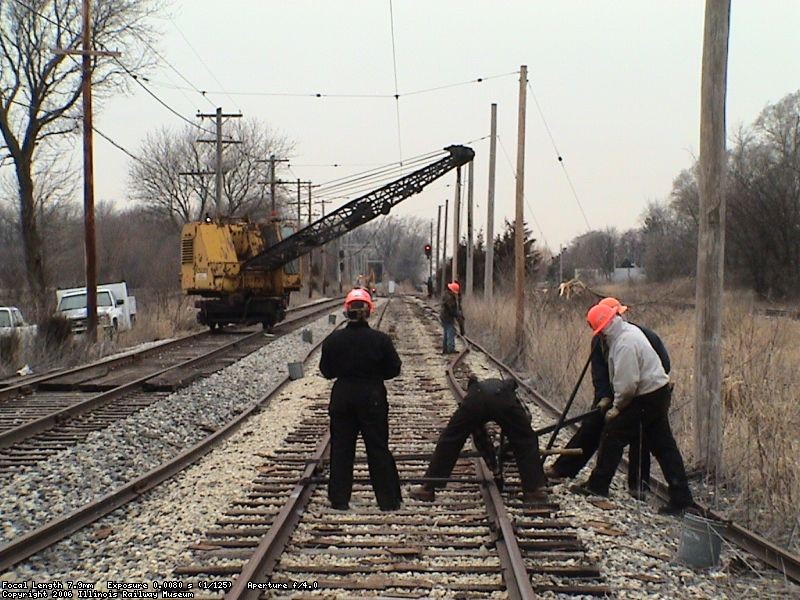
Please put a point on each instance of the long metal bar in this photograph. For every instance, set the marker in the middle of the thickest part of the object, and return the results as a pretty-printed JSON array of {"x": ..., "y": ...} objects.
[{"x": 568, "y": 405}]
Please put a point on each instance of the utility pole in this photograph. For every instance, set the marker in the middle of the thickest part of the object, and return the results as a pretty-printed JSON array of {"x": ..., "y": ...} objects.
[
  {"x": 90, "y": 252},
  {"x": 456, "y": 224},
  {"x": 444, "y": 248},
  {"x": 322, "y": 203},
  {"x": 711, "y": 239},
  {"x": 430, "y": 260},
  {"x": 488, "y": 275},
  {"x": 310, "y": 254},
  {"x": 519, "y": 226},
  {"x": 438, "y": 227},
  {"x": 218, "y": 116},
  {"x": 272, "y": 181},
  {"x": 470, "y": 256}
]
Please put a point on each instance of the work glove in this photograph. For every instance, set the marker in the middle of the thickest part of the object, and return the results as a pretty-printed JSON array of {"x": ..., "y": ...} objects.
[
  {"x": 612, "y": 413},
  {"x": 604, "y": 403},
  {"x": 461, "y": 325}
]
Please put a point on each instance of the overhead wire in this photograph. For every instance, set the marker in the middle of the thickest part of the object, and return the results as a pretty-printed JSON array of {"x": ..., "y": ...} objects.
[
  {"x": 348, "y": 95},
  {"x": 525, "y": 198},
  {"x": 202, "y": 62},
  {"x": 558, "y": 155},
  {"x": 128, "y": 71},
  {"x": 396, "y": 89}
]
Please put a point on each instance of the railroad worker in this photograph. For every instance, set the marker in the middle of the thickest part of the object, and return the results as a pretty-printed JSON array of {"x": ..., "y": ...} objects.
[
  {"x": 360, "y": 359},
  {"x": 489, "y": 400},
  {"x": 587, "y": 438},
  {"x": 641, "y": 404},
  {"x": 449, "y": 314}
]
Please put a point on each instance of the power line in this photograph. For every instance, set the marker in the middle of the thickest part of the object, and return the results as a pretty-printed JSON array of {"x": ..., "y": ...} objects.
[
  {"x": 527, "y": 202},
  {"x": 396, "y": 89},
  {"x": 202, "y": 62},
  {"x": 130, "y": 73},
  {"x": 558, "y": 155},
  {"x": 348, "y": 95}
]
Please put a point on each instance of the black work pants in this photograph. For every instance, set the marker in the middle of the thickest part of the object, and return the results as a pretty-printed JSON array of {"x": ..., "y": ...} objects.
[
  {"x": 587, "y": 438},
  {"x": 359, "y": 406},
  {"x": 506, "y": 411},
  {"x": 650, "y": 415}
]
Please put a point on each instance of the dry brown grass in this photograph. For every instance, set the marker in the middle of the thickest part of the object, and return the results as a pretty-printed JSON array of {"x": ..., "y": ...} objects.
[
  {"x": 761, "y": 412},
  {"x": 160, "y": 316}
]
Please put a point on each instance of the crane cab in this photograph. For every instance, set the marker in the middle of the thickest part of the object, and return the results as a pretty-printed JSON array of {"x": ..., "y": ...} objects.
[{"x": 212, "y": 255}]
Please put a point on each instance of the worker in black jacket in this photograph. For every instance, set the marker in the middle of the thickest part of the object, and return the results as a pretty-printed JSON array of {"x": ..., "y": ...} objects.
[
  {"x": 587, "y": 438},
  {"x": 488, "y": 400},
  {"x": 360, "y": 359}
]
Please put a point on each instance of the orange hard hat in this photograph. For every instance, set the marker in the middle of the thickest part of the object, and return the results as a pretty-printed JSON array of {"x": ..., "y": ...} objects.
[
  {"x": 358, "y": 295},
  {"x": 614, "y": 303},
  {"x": 454, "y": 287},
  {"x": 599, "y": 316}
]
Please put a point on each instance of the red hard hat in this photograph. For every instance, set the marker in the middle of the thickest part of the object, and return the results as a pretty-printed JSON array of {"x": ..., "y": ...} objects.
[
  {"x": 454, "y": 287},
  {"x": 614, "y": 303},
  {"x": 599, "y": 316},
  {"x": 358, "y": 295}
]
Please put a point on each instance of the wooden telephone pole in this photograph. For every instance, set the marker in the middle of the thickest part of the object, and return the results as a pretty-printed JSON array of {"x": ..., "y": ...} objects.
[
  {"x": 488, "y": 276},
  {"x": 219, "y": 142},
  {"x": 444, "y": 248},
  {"x": 456, "y": 224},
  {"x": 519, "y": 223},
  {"x": 470, "y": 257},
  {"x": 711, "y": 239},
  {"x": 86, "y": 54}
]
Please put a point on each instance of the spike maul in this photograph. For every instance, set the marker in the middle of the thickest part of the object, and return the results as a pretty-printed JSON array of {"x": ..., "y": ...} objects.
[{"x": 357, "y": 212}]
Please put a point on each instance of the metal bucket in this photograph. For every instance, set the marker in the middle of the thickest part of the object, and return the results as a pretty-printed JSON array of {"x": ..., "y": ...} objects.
[
  {"x": 332, "y": 319},
  {"x": 295, "y": 370},
  {"x": 308, "y": 336},
  {"x": 701, "y": 541}
]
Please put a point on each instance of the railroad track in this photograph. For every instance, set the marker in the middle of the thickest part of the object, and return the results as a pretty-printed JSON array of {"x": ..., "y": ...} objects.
[
  {"x": 42, "y": 417},
  {"x": 474, "y": 540},
  {"x": 451, "y": 547},
  {"x": 61, "y": 526},
  {"x": 780, "y": 559}
]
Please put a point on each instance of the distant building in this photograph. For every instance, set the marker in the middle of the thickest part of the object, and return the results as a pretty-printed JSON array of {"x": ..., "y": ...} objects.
[{"x": 628, "y": 274}]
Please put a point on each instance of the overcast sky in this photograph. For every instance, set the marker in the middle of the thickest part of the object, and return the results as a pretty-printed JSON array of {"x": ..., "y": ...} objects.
[{"x": 617, "y": 82}]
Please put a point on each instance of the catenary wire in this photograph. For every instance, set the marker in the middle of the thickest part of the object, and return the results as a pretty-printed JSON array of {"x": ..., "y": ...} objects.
[
  {"x": 525, "y": 198},
  {"x": 396, "y": 90},
  {"x": 558, "y": 155}
]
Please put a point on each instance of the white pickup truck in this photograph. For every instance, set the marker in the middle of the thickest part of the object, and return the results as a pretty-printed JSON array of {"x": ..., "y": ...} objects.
[
  {"x": 116, "y": 311},
  {"x": 12, "y": 322}
]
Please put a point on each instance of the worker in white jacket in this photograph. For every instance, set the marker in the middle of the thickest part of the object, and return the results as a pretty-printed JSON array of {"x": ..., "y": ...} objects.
[{"x": 641, "y": 406}]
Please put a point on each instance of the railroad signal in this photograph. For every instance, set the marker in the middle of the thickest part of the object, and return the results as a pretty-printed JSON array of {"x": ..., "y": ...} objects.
[{"x": 428, "y": 250}]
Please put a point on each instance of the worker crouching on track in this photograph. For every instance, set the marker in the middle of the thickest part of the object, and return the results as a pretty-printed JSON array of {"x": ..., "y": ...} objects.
[
  {"x": 587, "y": 438},
  {"x": 489, "y": 400},
  {"x": 360, "y": 359},
  {"x": 450, "y": 314},
  {"x": 641, "y": 407}
]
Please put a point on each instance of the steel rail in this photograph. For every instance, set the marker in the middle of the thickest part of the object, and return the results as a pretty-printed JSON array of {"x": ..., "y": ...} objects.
[
  {"x": 129, "y": 356},
  {"x": 778, "y": 558},
  {"x": 31, "y": 428},
  {"x": 515, "y": 573},
  {"x": 57, "y": 529}
]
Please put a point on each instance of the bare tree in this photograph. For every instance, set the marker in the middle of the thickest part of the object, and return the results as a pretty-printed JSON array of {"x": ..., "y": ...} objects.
[
  {"x": 39, "y": 88},
  {"x": 174, "y": 176}
]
